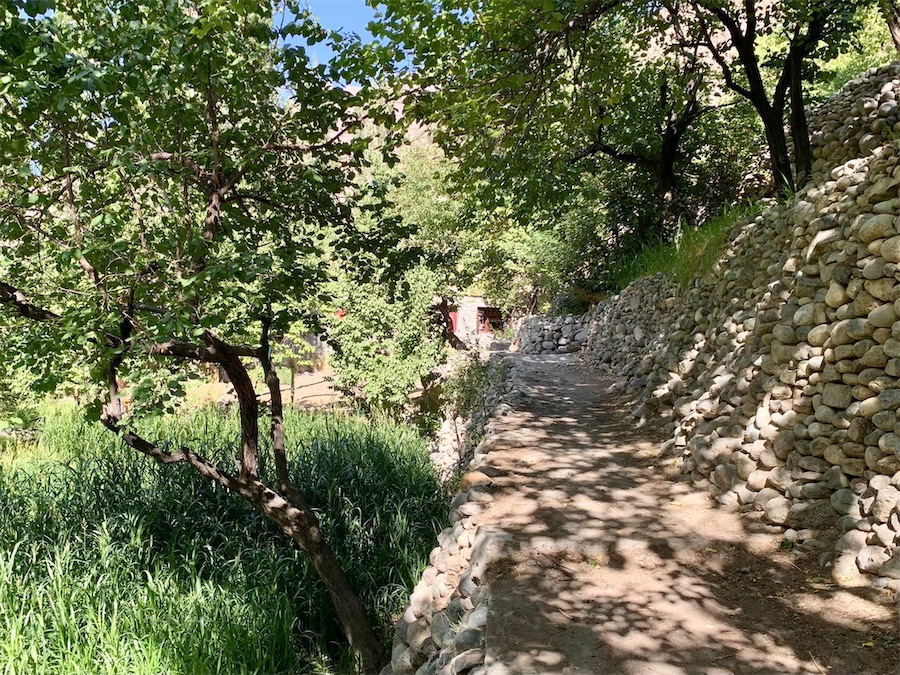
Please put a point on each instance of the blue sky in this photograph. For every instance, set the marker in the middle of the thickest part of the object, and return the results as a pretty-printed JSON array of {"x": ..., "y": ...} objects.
[{"x": 349, "y": 16}]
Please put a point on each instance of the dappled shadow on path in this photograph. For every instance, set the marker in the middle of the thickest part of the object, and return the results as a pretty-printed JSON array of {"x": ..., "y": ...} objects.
[{"x": 612, "y": 568}]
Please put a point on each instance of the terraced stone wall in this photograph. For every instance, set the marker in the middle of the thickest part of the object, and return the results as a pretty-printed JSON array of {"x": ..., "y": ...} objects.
[
  {"x": 552, "y": 335},
  {"x": 777, "y": 375}
]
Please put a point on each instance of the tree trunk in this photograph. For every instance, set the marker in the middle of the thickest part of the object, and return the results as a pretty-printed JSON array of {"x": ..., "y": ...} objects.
[
  {"x": 447, "y": 325},
  {"x": 799, "y": 126},
  {"x": 247, "y": 404},
  {"x": 778, "y": 153},
  {"x": 290, "y": 512},
  {"x": 772, "y": 116},
  {"x": 301, "y": 524},
  {"x": 293, "y": 380},
  {"x": 665, "y": 176},
  {"x": 891, "y": 12}
]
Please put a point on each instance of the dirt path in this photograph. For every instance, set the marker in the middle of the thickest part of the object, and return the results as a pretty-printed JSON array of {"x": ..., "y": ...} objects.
[{"x": 611, "y": 567}]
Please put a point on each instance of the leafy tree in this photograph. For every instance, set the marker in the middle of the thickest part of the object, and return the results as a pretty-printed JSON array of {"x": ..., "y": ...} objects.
[
  {"x": 389, "y": 325},
  {"x": 386, "y": 339},
  {"x": 870, "y": 47},
  {"x": 171, "y": 171},
  {"x": 810, "y": 29},
  {"x": 530, "y": 94}
]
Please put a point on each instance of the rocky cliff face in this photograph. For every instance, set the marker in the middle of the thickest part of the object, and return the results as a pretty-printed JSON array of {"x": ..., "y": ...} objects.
[{"x": 777, "y": 375}]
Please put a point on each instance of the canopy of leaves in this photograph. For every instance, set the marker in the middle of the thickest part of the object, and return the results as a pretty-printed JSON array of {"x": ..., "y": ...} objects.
[{"x": 172, "y": 166}]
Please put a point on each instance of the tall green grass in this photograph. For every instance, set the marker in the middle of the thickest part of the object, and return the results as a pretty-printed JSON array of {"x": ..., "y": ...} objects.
[
  {"x": 692, "y": 253},
  {"x": 110, "y": 563}
]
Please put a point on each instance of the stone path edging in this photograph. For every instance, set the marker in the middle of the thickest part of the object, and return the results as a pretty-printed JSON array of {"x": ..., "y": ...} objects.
[{"x": 442, "y": 629}]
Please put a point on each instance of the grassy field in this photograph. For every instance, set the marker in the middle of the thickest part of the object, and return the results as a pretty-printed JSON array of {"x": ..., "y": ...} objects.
[{"x": 110, "y": 563}]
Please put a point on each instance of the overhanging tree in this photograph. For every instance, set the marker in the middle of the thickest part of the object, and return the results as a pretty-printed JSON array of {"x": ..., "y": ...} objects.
[
  {"x": 532, "y": 95},
  {"x": 170, "y": 171},
  {"x": 798, "y": 31}
]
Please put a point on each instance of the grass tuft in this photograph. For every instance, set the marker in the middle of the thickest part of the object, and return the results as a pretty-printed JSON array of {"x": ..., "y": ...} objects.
[
  {"x": 110, "y": 563},
  {"x": 692, "y": 254}
]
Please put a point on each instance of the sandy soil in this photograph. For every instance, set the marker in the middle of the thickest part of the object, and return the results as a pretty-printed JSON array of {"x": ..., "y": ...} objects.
[{"x": 613, "y": 566}]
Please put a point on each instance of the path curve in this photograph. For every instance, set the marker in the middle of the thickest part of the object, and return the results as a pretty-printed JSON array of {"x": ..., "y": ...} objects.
[{"x": 603, "y": 564}]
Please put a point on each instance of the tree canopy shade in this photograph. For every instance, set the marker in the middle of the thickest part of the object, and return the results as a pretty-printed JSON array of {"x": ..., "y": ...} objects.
[
  {"x": 804, "y": 30},
  {"x": 173, "y": 174},
  {"x": 528, "y": 90},
  {"x": 531, "y": 96}
]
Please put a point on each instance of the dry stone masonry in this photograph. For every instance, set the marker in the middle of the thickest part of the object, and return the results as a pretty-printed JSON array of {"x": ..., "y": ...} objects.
[
  {"x": 453, "y": 446},
  {"x": 442, "y": 629},
  {"x": 777, "y": 375},
  {"x": 552, "y": 335}
]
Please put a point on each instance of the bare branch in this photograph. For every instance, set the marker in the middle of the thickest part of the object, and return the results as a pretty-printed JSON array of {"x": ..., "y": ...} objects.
[
  {"x": 83, "y": 262},
  {"x": 248, "y": 196},
  {"x": 14, "y": 298},
  {"x": 153, "y": 309},
  {"x": 201, "y": 465},
  {"x": 143, "y": 445},
  {"x": 599, "y": 146},
  {"x": 213, "y": 116},
  {"x": 292, "y": 147}
]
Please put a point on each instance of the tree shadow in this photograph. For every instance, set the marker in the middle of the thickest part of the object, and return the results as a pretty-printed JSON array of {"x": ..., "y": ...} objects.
[{"x": 612, "y": 568}]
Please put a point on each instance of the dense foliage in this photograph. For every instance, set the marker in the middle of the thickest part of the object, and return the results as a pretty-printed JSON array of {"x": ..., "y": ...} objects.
[
  {"x": 582, "y": 132},
  {"x": 184, "y": 190},
  {"x": 177, "y": 176},
  {"x": 179, "y": 189},
  {"x": 384, "y": 324}
]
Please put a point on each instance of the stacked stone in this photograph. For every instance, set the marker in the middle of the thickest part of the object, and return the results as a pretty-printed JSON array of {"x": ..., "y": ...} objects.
[
  {"x": 634, "y": 322},
  {"x": 856, "y": 120},
  {"x": 448, "y": 446},
  {"x": 442, "y": 629},
  {"x": 552, "y": 335},
  {"x": 453, "y": 446},
  {"x": 778, "y": 373}
]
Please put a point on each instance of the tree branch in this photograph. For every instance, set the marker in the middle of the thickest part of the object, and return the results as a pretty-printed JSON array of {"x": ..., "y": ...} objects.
[
  {"x": 598, "y": 146},
  {"x": 205, "y": 177},
  {"x": 716, "y": 53},
  {"x": 201, "y": 465},
  {"x": 292, "y": 147},
  {"x": 11, "y": 296},
  {"x": 203, "y": 353}
]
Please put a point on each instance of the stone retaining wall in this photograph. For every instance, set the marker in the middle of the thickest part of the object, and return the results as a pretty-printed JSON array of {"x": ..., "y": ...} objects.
[
  {"x": 552, "y": 335},
  {"x": 453, "y": 446},
  {"x": 442, "y": 629},
  {"x": 777, "y": 375}
]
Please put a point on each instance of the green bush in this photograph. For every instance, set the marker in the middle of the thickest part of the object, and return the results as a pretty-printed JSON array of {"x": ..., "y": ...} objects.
[
  {"x": 387, "y": 342},
  {"x": 111, "y": 563},
  {"x": 464, "y": 389}
]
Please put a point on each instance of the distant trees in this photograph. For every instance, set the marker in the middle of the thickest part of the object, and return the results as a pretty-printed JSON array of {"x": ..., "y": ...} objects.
[
  {"x": 542, "y": 79},
  {"x": 804, "y": 29},
  {"x": 527, "y": 96}
]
